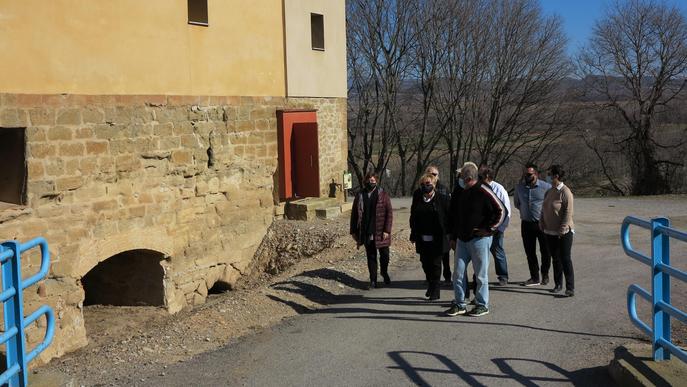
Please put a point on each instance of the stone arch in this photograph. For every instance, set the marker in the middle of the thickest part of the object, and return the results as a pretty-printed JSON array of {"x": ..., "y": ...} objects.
[
  {"x": 92, "y": 252},
  {"x": 130, "y": 278}
]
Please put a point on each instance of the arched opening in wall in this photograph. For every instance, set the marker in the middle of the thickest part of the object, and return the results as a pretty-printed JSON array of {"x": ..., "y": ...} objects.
[
  {"x": 122, "y": 294},
  {"x": 219, "y": 287},
  {"x": 131, "y": 278}
]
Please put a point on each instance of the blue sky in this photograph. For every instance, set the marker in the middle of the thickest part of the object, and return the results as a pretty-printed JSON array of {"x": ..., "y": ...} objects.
[{"x": 579, "y": 16}]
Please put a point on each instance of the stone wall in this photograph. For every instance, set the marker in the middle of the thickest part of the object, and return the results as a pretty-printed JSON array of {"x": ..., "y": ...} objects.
[{"x": 191, "y": 178}]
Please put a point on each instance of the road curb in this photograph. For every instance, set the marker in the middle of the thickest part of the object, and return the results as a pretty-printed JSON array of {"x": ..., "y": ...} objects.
[{"x": 634, "y": 366}]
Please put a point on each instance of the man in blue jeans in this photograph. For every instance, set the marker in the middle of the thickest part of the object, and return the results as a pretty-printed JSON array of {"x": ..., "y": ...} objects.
[
  {"x": 497, "y": 250},
  {"x": 477, "y": 213}
]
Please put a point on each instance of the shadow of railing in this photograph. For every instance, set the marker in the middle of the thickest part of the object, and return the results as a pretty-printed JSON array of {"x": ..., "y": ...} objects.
[{"x": 595, "y": 376}]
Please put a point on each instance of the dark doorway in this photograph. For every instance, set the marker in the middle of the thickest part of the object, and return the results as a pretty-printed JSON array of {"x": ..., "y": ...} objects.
[{"x": 131, "y": 278}]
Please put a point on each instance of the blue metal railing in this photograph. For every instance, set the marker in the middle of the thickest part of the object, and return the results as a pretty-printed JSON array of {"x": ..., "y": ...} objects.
[
  {"x": 13, "y": 307},
  {"x": 661, "y": 271}
]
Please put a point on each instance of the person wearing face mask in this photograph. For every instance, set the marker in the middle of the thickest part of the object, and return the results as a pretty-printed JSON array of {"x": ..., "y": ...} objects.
[
  {"x": 371, "y": 221},
  {"x": 529, "y": 197},
  {"x": 497, "y": 250},
  {"x": 428, "y": 231},
  {"x": 476, "y": 214},
  {"x": 557, "y": 223},
  {"x": 417, "y": 198}
]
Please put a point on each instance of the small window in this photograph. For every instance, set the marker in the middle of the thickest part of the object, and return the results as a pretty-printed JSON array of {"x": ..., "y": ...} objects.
[
  {"x": 198, "y": 12},
  {"x": 13, "y": 161},
  {"x": 317, "y": 31}
]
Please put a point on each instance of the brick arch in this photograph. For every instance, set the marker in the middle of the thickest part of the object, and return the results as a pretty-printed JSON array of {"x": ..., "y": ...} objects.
[{"x": 92, "y": 252}]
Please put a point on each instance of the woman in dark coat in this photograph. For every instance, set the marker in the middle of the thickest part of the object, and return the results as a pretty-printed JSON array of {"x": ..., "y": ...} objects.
[
  {"x": 428, "y": 230},
  {"x": 371, "y": 221}
]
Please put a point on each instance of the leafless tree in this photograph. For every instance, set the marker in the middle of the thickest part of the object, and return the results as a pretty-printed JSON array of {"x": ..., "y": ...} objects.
[
  {"x": 418, "y": 139},
  {"x": 637, "y": 61},
  {"x": 501, "y": 95},
  {"x": 379, "y": 37}
]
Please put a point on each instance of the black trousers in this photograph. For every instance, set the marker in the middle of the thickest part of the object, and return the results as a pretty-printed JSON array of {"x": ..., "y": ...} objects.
[
  {"x": 431, "y": 264},
  {"x": 446, "y": 262},
  {"x": 371, "y": 251},
  {"x": 561, "y": 249},
  {"x": 530, "y": 235}
]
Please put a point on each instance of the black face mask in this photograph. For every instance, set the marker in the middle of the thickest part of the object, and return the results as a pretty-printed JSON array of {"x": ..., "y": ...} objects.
[
  {"x": 427, "y": 188},
  {"x": 371, "y": 186}
]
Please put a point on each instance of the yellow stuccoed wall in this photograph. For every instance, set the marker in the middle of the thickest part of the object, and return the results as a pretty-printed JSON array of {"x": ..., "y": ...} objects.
[
  {"x": 313, "y": 73},
  {"x": 141, "y": 47}
]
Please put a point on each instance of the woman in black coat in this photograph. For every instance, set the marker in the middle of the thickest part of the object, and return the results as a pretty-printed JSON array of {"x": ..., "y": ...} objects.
[{"x": 428, "y": 230}]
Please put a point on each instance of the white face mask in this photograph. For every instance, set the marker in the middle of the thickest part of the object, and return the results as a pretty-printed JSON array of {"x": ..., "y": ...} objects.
[{"x": 461, "y": 182}]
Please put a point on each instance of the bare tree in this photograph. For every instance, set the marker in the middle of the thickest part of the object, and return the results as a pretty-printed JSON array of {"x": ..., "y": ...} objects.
[
  {"x": 637, "y": 60},
  {"x": 418, "y": 139},
  {"x": 379, "y": 40},
  {"x": 518, "y": 107}
]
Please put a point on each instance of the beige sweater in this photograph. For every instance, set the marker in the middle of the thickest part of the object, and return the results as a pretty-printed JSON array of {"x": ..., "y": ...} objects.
[{"x": 557, "y": 211}]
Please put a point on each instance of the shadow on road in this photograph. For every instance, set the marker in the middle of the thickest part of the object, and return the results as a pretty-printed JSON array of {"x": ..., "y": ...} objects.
[
  {"x": 322, "y": 296},
  {"x": 583, "y": 377}
]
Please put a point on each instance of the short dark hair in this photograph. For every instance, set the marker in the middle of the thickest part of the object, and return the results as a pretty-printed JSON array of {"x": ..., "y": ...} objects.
[
  {"x": 533, "y": 166},
  {"x": 370, "y": 174},
  {"x": 557, "y": 170},
  {"x": 485, "y": 172}
]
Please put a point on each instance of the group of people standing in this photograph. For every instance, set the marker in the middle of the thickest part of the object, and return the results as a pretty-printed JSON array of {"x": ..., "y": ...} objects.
[{"x": 471, "y": 220}]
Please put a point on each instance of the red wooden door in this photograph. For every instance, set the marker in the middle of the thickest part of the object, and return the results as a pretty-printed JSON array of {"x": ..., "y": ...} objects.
[{"x": 305, "y": 168}]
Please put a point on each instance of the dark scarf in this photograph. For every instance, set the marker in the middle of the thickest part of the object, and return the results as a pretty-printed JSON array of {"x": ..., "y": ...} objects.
[{"x": 369, "y": 212}]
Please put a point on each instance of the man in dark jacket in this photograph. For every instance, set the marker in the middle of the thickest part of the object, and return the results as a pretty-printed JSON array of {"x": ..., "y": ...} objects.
[
  {"x": 476, "y": 214},
  {"x": 443, "y": 191},
  {"x": 371, "y": 221}
]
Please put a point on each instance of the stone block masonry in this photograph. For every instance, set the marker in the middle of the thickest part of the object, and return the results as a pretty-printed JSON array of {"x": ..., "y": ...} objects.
[{"x": 189, "y": 178}]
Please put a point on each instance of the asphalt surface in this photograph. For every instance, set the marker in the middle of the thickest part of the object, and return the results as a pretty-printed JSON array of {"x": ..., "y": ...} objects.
[{"x": 392, "y": 336}]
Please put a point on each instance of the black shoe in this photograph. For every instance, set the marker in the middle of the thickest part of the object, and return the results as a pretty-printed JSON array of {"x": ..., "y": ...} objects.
[
  {"x": 455, "y": 310},
  {"x": 570, "y": 293},
  {"x": 556, "y": 289},
  {"x": 373, "y": 285},
  {"x": 427, "y": 293},
  {"x": 531, "y": 282},
  {"x": 544, "y": 280},
  {"x": 503, "y": 281},
  {"x": 387, "y": 279},
  {"x": 448, "y": 283},
  {"x": 479, "y": 310}
]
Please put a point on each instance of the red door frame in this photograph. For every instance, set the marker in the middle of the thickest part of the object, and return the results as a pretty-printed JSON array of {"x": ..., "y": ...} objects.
[{"x": 285, "y": 121}]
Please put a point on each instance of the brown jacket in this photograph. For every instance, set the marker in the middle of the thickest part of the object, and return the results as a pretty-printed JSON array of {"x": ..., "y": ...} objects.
[
  {"x": 383, "y": 218},
  {"x": 557, "y": 211}
]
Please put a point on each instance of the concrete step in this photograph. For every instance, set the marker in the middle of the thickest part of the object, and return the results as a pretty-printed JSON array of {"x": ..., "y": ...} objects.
[
  {"x": 305, "y": 209},
  {"x": 328, "y": 212},
  {"x": 345, "y": 207}
]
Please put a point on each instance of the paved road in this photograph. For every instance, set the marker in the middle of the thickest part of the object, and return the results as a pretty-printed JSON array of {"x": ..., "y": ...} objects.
[{"x": 392, "y": 336}]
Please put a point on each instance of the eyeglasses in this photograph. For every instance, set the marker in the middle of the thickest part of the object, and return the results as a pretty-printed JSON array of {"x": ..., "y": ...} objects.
[{"x": 434, "y": 174}]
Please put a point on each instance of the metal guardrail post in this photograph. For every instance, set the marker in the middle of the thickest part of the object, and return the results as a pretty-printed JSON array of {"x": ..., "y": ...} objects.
[
  {"x": 661, "y": 309},
  {"x": 16, "y": 374},
  {"x": 660, "y": 287},
  {"x": 13, "y": 310}
]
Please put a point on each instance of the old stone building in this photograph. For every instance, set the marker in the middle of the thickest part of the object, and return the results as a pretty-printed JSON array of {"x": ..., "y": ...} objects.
[{"x": 150, "y": 142}]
